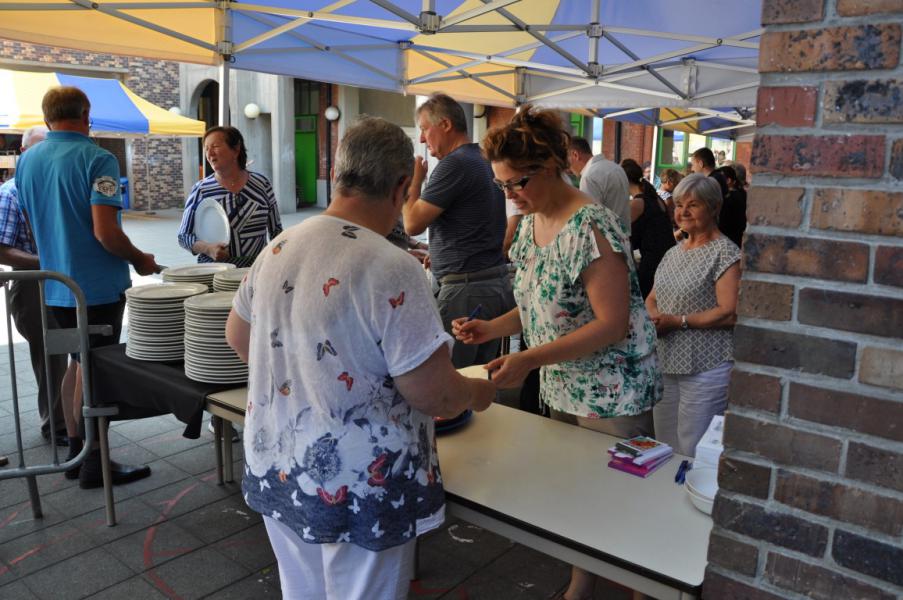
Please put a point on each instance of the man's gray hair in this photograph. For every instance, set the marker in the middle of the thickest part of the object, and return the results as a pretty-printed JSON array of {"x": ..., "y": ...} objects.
[
  {"x": 702, "y": 188},
  {"x": 442, "y": 106},
  {"x": 372, "y": 158},
  {"x": 64, "y": 103},
  {"x": 33, "y": 135}
]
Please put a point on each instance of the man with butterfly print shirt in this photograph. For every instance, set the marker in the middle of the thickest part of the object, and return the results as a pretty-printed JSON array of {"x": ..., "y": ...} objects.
[
  {"x": 466, "y": 217},
  {"x": 348, "y": 363}
]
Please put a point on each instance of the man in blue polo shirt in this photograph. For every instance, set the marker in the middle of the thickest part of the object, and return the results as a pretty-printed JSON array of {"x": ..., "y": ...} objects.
[{"x": 69, "y": 190}]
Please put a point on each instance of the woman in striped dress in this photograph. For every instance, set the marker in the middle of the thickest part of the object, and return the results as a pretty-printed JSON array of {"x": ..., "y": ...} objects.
[{"x": 247, "y": 198}]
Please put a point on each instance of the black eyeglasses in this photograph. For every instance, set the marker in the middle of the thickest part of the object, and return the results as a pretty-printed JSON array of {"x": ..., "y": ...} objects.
[{"x": 514, "y": 186}]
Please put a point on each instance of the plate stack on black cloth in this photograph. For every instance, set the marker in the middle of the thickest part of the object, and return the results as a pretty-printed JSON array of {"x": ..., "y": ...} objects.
[
  {"x": 157, "y": 320},
  {"x": 208, "y": 358}
]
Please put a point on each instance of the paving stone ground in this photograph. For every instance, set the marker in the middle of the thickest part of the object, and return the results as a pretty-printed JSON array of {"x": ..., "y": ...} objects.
[{"x": 179, "y": 534}]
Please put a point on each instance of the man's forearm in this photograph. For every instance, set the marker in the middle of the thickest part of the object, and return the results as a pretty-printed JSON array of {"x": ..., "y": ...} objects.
[
  {"x": 118, "y": 244},
  {"x": 18, "y": 259}
]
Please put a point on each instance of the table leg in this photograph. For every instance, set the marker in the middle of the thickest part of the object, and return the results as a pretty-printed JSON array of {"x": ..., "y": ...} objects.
[
  {"x": 228, "y": 432},
  {"x": 218, "y": 443}
]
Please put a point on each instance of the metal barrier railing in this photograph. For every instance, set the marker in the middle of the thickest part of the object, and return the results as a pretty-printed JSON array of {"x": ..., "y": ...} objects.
[{"x": 60, "y": 341}]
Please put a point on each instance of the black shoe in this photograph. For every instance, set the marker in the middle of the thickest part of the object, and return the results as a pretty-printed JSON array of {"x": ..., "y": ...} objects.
[
  {"x": 62, "y": 438},
  {"x": 91, "y": 475},
  {"x": 75, "y": 446}
]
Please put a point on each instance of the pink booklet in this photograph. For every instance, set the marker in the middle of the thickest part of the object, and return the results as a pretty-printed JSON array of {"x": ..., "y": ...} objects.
[{"x": 640, "y": 471}]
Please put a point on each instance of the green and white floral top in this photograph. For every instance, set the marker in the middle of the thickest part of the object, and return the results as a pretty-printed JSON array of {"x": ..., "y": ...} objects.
[{"x": 622, "y": 379}]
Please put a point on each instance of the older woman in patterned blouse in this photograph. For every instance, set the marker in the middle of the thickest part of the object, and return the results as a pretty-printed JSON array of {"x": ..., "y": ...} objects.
[
  {"x": 578, "y": 298},
  {"x": 693, "y": 304},
  {"x": 246, "y": 197}
]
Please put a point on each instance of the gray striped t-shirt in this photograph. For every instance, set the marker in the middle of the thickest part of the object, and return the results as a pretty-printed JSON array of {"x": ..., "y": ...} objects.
[{"x": 468, "y": 235}]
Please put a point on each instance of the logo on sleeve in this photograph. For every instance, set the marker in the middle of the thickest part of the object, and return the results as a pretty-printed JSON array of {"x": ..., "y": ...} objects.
[{"x": 106, "y": 186}]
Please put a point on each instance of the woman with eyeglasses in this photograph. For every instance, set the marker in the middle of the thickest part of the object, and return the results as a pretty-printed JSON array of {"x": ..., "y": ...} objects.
[{"x": 579, "y": 304}]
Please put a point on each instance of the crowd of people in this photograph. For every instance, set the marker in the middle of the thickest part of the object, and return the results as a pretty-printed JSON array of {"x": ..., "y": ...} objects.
[{"x": 624, "y": 296}]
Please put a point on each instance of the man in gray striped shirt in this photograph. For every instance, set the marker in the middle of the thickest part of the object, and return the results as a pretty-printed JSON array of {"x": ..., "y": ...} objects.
[{"x": 465, "y": 214}]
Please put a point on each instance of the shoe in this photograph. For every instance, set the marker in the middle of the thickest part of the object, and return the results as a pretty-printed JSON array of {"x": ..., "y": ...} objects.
[
  {"x": 3, "y": 461},
  {"x": 75, "y": 446},
  {"x": 235, "y": 436},
  {"x": 91, "y": 475},
  {"x": 62, "y": 438}
]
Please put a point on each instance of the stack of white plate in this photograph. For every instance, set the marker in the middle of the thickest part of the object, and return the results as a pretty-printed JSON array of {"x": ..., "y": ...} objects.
[
  {"x": 208, "y": 357},
  {"x": 228, "y": 281},
  {"x": 157, "y": 320},
  {"x": 199, "y": 273}
]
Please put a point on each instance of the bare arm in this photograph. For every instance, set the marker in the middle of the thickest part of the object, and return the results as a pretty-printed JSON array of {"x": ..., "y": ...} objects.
[
  {"x": 723, "y": 315},
  {"x": 418, "y": 213},
  {"x": 636, "y": 209},
  {"x": 238, "y": 335},
  {"x": 116, "y": 242},
  {"x": 477, "y": 331},
  {"x": 435, "y": 388},
  {"x": 18, "y": 259}
]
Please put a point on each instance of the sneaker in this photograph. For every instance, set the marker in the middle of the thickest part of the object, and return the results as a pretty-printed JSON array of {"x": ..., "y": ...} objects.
[{"x": 235, "y": 436}]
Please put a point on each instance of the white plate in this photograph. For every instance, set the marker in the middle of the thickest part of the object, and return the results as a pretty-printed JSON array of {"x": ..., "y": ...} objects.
[
  {"x": 215, "y": 302},
  {"x": 211, "y": 223},
  {"x": 197, "y": 270},
  {"x": 703, "y": 482},
  {"x": 164, "y": 292}
]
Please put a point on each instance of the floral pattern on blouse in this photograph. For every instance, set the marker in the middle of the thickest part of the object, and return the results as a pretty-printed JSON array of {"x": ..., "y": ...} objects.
[
  {"x": 332, "y": 449},
  {"x": 620, "y": 380}
]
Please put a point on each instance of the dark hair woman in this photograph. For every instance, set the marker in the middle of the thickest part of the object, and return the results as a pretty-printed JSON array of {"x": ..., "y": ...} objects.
[
  {"x": 650, "y": 227},
  {"x": 246, "y": 197},
  {"x": 578, "y": 299}
]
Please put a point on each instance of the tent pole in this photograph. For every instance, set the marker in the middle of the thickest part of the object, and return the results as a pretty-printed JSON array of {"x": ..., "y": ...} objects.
[
  {"x": 225, "y": 49},
  {"x": 148, "y": 211},
  {"x": 224, "y": 114}
]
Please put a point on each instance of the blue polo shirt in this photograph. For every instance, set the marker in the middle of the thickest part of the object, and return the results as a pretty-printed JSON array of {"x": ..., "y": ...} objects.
[{"x": 58, "y": 182}]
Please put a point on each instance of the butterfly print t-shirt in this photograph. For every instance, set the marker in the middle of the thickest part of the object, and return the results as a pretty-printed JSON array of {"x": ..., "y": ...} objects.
[{"x": 332, "y": 450}]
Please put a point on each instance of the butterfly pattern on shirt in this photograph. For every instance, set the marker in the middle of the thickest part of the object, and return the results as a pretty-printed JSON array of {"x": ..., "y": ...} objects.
[{"x": 372, "y": 472}]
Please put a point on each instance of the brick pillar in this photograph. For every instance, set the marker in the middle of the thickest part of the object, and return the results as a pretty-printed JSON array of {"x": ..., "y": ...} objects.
[{"x": 811, "y": 500}]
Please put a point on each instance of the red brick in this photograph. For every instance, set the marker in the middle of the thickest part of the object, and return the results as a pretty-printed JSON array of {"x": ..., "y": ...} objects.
[
  {"x": 732, "y": 554},
  {"x": 776, "y": 12},
  {"x": 806, "y": 257},
  {"x": 816, "y": 582},
  {"x": 778, "y": 528},
  {"x": 717, "y": 587},
  {"x": 878, "y": 466},
  {"x": 889, "y": 265},
  {"x": 869, "y": 557},
  {"x": 765, "y": 300},
  {"x": 882, "y": 367},
  {"x": 819, "y": 155},
  {"x": 809, "y": 354},
  {"x": 863, "y": 101},
  {"x": 864, "y": 211},
  {"x": 742, "y": 477},
  {"x": 786, "y": 106},
  {"x": 831, "y": 49},
  {"x": 865, "y": 414},
  {"x": 782, "y": 444},
  {"x": 896, "y": 160},
  {"x": 751, "y": 390},
  {"x": 852, "y": 8},
  {"x": 840, "y": 502},
  {"x": 774, "y": 206},
  {"x": 874, "y": 315}
]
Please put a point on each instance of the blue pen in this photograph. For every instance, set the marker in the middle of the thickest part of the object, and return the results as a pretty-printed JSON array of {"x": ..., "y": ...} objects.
[
  {"x": 475, "y": 312},
  {"x": 682, "y": 472}
]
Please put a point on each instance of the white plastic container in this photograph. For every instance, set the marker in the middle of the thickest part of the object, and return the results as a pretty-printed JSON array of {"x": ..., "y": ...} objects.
[
  {"x": 702, "y": 485},
  {"x": 710, "y": 445}
]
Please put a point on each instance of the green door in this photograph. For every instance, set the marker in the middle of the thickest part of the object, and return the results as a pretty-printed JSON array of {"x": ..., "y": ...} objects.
[{"x": 306, "y": 160}]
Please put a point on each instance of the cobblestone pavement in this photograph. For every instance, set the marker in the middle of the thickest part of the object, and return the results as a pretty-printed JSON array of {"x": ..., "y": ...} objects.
[{"x": 179, "y": 534}]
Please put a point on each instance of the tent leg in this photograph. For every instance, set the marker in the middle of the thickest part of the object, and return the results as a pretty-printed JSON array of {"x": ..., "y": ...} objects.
[{"x": 224, "y": 114}]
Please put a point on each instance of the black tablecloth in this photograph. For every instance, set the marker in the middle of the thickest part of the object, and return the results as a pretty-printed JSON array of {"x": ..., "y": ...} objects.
[{"x": 148, "y": 389}]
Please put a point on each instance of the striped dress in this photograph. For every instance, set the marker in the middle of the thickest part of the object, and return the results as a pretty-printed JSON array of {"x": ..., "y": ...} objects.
[{"x": 252, "y": 212}]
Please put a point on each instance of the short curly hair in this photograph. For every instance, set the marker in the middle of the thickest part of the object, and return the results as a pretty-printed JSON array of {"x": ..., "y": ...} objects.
[{"x": 529, "y": 140}]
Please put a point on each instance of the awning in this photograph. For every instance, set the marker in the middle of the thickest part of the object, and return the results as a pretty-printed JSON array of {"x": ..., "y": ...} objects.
[
  {"x": 560, "y": 53},
  {"x": 116, "y": 111}
]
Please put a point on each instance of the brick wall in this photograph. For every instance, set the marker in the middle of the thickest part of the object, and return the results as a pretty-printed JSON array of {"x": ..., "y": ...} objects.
[
  {"x": 811, "y": 500},
  {"x": 154, "y": 80},
  {"x": 636, "y": 141}
]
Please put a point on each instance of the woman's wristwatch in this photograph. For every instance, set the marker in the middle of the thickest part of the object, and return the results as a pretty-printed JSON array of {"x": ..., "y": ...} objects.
[{"x": 683, "y": 322}]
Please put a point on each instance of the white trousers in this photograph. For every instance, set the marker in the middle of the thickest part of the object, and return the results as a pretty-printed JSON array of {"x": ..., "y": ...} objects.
[
  {"x": 339, "y": 571},
  {"x": 688, "y": 404}
]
